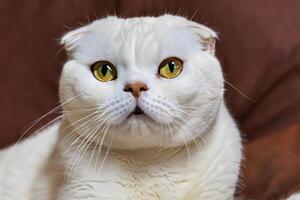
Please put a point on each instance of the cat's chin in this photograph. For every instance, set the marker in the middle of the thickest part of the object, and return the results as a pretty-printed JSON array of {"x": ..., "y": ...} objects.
[
  {"x": 140, "y": 121},
  {"x": 137, "y": 131}
]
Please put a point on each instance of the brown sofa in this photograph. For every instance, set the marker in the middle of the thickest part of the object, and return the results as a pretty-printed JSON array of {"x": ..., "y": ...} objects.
[{"x": 259, "y": 48}]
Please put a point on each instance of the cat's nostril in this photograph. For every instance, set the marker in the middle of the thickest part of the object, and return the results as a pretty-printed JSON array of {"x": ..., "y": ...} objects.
[
  {"x": 143, "y": 88},
  {"x": 128, "y": 88},
  {"x": 136, "y": 88}
]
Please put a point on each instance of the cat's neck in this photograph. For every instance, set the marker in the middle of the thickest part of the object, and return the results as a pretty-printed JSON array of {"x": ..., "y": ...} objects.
[{"x": 72, "y": 141}]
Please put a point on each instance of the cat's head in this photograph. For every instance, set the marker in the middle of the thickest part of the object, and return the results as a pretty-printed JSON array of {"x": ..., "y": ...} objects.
[{"x": 141, "y": 82}]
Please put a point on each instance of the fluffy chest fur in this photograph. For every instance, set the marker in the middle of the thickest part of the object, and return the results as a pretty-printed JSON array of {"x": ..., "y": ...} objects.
[
  {"x": 152, "y": 174},
  {"x": 188, "y": 172}
]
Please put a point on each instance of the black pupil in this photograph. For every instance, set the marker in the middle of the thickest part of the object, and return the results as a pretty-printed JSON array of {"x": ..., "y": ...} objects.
[
  {"x": 172, "y": 66},
  {"x": 104, "y": 69}
]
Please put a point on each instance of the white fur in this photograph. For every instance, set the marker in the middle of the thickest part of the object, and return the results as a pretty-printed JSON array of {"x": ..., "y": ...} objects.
[
  {"x": 20, "y": 165},
  {"x": 295, "y": 196},
  {"x": 186, "y": 146}
]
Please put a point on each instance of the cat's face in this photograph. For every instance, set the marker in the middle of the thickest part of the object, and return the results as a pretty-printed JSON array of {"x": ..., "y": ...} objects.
[{"x": 141, "y": 82}]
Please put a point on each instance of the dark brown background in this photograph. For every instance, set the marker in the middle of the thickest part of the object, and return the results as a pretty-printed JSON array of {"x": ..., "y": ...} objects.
[{"x": 259, "y": 48}]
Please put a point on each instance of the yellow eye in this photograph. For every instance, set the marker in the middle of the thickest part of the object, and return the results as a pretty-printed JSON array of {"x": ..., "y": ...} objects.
[
  {"x": 170, "y": 67},
  {"x": 104, "y": 71}
]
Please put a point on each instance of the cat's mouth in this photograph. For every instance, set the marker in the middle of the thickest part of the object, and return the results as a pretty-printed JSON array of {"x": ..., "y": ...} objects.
[
  {"x": 139, "y": 115},
  {"x": 138, "y": 111}
]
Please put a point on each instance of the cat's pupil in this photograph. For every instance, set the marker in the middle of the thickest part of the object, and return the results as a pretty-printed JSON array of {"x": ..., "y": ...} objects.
[
  {"x": 172, "y": 66},
  {"x": 104, "y": 70}
]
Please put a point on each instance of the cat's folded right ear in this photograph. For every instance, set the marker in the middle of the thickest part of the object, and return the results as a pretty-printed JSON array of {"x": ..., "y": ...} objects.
[
  {"x": 207, "y": 36},
  {"x": 70, "y": 39}
]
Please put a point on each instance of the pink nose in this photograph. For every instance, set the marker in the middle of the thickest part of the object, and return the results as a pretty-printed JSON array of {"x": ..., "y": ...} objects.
[{"x": 136, "y": 88}]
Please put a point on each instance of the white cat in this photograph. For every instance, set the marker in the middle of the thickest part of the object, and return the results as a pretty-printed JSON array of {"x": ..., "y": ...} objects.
[{"x": 143, "y": 119}]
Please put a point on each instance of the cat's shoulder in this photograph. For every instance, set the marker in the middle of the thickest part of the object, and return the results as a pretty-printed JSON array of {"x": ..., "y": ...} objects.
[
  {"x": 42, "y": 138},
  {"x": 21, "y": 163},
  {"x": 35, "y": 148}
]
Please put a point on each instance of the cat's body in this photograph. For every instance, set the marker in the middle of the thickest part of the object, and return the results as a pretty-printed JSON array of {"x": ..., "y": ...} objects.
[
  {"x": 209, "y": 172},
  {"x": 140, "y": 133}
]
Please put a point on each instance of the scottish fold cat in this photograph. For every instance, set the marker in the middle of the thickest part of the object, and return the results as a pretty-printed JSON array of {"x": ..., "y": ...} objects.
[{"x": 143, "y": 118}]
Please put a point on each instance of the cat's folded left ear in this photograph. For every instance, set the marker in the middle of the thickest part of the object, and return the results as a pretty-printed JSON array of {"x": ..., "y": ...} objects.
[{"x": 70, "y": 39}]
